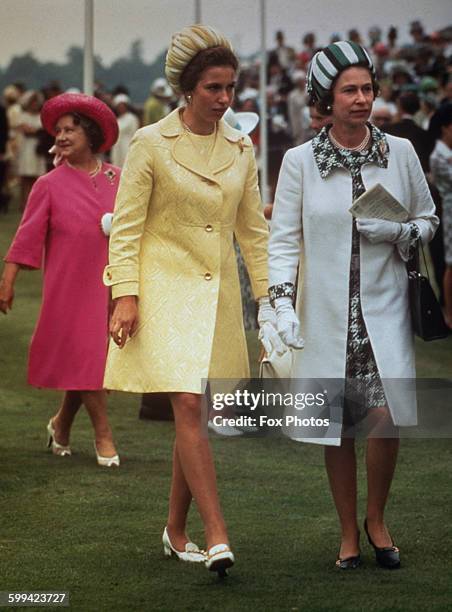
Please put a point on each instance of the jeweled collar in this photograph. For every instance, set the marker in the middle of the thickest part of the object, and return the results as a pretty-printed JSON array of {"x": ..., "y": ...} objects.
[{"x": 328, "y": 157}]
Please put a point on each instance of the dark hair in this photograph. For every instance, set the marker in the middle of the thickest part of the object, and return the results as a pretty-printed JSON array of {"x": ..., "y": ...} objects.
[
  {"x": 312, "y": 103},
  {"x": 92, "y": 130},
  {"x": 409, "y": 102},
  {"x": 207, "y": 58},
  {"x": 441, "y": 118},
  {"x": 325, "y": 105}
]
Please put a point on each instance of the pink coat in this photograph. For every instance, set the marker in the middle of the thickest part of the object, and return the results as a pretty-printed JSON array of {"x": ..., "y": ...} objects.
[{"x": 61, "y": 230}]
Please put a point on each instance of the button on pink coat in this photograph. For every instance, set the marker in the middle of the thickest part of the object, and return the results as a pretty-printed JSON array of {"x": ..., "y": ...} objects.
[{"x": 61, "y": 230}]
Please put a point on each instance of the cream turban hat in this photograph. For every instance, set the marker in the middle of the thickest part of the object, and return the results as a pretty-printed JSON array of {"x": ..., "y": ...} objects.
[{"x": 185, "y": 45}]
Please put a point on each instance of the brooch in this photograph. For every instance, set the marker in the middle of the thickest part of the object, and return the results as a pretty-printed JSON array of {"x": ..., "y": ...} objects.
[
  {"x": 382, "y": 147},
  {"x": 110, "y": 174},
  {"x": 241, "y": 145}
]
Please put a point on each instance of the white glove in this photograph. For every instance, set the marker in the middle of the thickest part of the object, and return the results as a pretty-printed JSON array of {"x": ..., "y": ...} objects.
[
  {"x": 380, "y": 230},
  {"x": 106, "y": 222},
  {"x": 268, "y": 335},
  {"x": 57, "y": 160},
  {"x": 288, "y": 324}
]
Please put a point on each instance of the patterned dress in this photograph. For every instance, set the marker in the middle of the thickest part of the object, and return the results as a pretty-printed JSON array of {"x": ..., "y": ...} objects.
[{"x": 363, "y": 388}]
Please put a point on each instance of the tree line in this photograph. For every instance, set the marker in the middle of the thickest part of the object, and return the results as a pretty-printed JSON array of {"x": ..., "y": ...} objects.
[{"x": 131, "y": 71}]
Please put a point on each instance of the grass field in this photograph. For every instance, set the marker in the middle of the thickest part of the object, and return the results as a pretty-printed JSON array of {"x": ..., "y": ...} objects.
[{"x": 68, "y": 525}]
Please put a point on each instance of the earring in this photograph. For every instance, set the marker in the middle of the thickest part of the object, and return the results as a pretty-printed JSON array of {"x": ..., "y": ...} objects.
[
  {"x": 189, "y": 99},
  {"x": 329, "y": 108}
]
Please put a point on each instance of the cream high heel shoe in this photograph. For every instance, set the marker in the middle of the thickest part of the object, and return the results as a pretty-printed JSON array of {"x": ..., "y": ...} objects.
[
  {"x": 219, "y": 558},
  {"x": 106, "y": 461},
  {"x": 57, "y": 449},
  {"x": 192, "y": 554}
]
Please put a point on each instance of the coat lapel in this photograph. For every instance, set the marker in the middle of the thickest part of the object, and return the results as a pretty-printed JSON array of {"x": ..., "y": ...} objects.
[
  {"x": 185, "y": 154},
  {"x": 226, "y": 147},
  {"x": 229, "y": 141}
]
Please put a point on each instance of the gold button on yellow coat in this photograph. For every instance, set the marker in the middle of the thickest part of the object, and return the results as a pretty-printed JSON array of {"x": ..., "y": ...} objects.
[{"x": 163, "y": 249}]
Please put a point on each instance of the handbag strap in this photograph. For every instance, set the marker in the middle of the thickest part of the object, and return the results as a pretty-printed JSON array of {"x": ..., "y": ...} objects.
[
  {"x": 413, "y": 264},
  {"x": 423, "y": 256}
]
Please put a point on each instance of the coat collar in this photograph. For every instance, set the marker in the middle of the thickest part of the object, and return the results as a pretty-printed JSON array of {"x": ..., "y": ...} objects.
[
  {"x": 228, "y": 142},
  {"x": 328, "y": 157}
]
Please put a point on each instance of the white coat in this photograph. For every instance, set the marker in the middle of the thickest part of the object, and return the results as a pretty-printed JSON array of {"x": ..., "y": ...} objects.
[
  {"x": 312, "y": 226},
  {"x": 128, "y": 124}
]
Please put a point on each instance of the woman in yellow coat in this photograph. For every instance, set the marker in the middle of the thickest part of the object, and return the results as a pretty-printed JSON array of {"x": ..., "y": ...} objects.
[{"x": 189, "y": 184}]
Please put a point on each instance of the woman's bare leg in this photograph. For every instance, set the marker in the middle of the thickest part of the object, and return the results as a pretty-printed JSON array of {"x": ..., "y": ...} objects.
[
  {"x": 179, "y": 504},
  {"x": 197, "y": 469},
  {"x": 62, "y": 421},
  {"x": 340, "y": 464},
  {"x": 96, "y": 405},
  {"x": 381, "y": 459}
]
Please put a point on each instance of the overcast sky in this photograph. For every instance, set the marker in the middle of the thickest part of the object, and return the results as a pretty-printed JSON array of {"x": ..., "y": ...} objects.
[{"x": 49, "y": 27}]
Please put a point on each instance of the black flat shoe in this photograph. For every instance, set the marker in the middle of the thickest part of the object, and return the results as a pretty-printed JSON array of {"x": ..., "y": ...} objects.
[
  {"x": 350, "y": 563},
  {"x": 387, "y": 556}
]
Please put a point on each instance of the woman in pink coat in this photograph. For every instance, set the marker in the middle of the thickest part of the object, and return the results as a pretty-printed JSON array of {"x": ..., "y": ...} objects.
[{"x": 62, "y": 230}]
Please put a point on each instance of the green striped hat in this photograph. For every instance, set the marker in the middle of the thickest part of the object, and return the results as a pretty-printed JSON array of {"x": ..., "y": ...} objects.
[{"x": 328, "y": 63}]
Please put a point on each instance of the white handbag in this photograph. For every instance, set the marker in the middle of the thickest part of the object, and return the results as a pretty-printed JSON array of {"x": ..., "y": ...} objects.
[
  {"x": 276, "y": 366},
  {"x": 279, "y": 367}
]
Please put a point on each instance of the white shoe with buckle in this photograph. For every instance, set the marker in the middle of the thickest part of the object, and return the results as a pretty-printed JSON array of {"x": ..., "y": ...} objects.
[
  {"x": 192, "y": 553},
  {"x": 219, "y": 558},
  {"x": 57, "y": 449},
  {"x": 106, "y": 461}
]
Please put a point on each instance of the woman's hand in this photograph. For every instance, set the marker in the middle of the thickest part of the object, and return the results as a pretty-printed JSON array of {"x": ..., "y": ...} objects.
[
  {"x": 268, "y": 334},
  {"x": 380, "y": 230},
  {"x": 288, "y": 323},
  {"x": 106, "y": 222},
  {"x": 6, "y": 296},
  {"x": 124, "y": 320},
  {"x": 7, "y": 281}
]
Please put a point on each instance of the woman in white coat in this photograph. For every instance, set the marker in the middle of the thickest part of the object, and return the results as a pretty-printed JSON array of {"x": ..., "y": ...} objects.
[
  {"x": 352, "y": 296},
  {"x": 128, "y": 124}
]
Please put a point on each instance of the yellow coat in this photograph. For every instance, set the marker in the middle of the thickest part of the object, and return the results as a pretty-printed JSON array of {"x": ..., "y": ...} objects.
[{"x": 172, "y": 245}]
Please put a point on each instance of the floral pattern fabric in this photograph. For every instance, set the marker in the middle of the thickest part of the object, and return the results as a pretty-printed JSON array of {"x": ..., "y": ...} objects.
[{"x": 281, "y": 290}]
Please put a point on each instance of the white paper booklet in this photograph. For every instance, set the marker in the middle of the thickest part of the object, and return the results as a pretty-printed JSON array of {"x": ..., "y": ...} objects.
[{"x": 378, "y": 203}]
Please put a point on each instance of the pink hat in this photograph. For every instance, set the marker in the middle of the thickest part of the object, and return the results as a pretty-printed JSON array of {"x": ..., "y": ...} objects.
[{"x": 82, "y": 104}]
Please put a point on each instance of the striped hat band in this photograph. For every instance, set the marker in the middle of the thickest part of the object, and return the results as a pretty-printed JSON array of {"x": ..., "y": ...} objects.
[{"x": 328, "y": 63}]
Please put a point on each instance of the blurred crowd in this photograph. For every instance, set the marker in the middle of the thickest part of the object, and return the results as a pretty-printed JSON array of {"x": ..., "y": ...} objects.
[
  {"x": 415, "y": 79},
  {"x": 422, "y": 68}
]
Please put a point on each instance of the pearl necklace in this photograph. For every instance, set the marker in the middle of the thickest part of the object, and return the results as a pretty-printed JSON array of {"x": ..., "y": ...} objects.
[
  {"x": 362, "y": 145},
  {"x": 92, "y": 173}
]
